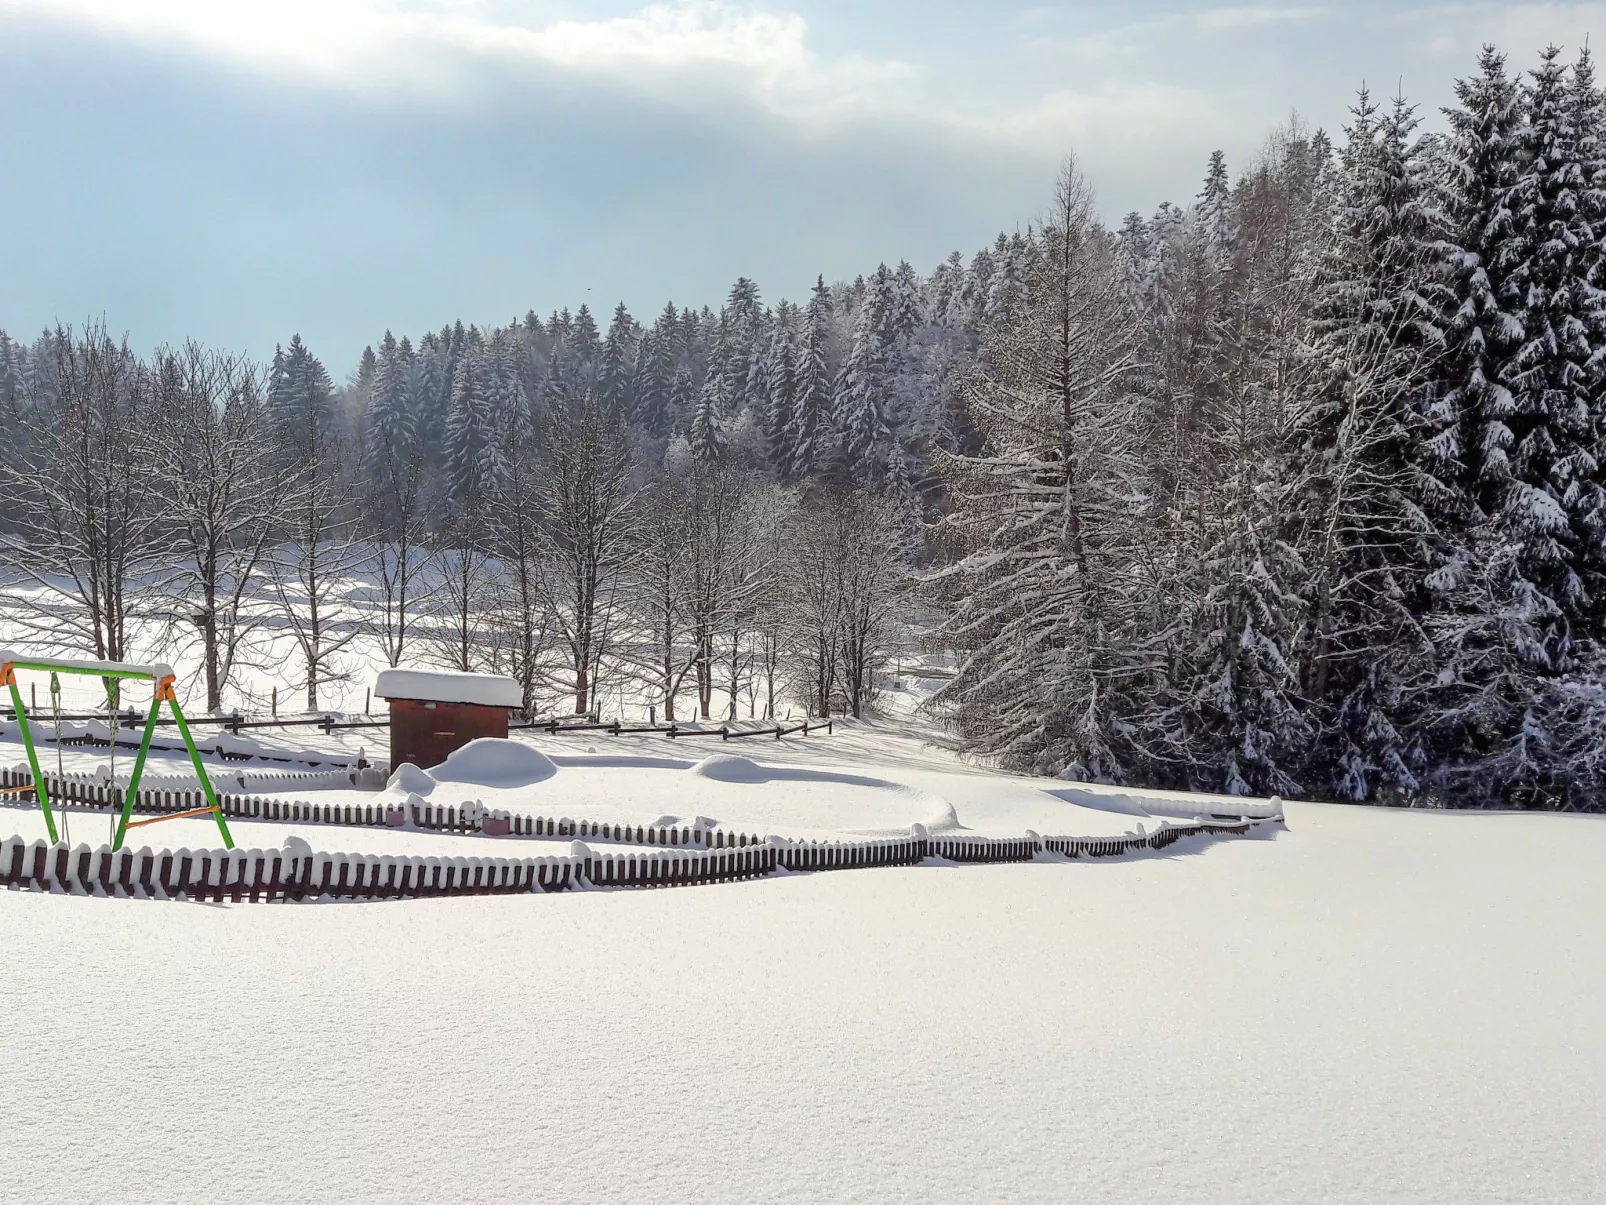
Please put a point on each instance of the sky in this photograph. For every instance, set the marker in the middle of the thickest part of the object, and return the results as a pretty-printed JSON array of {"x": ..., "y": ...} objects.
[{"x": 238, "y": 171}]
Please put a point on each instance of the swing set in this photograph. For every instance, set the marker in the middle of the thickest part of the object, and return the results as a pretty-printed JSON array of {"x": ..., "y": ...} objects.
[{"x": 114, "y": 673}]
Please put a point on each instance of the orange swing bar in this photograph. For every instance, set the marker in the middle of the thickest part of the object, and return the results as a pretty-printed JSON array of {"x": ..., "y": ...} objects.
[{"x": 211, "y": 811}]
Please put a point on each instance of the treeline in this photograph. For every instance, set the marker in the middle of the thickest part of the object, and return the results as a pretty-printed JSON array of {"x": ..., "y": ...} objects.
[
  {"x": 1296, "y": 488},
  {"x": 1299, "y": 489},
  {"x": 196, "y": 499},
  {"x": 713, "y": 504}
]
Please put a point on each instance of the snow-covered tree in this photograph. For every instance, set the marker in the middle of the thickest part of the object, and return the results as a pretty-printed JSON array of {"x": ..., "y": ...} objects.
[
  {"x": 1360, "y": 480},
  {"x": 85, "y": 523},
  {"x": 811, "y": 420},
  {"x": 309, "y": 569},
  {"x": 220, "y": 501},
  {"x": 1042, "y": 521},
  {"x": 1552, "y": 503}
]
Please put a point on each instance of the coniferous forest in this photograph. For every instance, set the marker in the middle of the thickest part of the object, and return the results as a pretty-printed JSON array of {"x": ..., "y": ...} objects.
[{"x": 1295, "y": 487}]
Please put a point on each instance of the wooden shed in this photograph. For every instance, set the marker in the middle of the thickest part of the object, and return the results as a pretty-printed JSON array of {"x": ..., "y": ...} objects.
[{"x": 433, "y": 712}]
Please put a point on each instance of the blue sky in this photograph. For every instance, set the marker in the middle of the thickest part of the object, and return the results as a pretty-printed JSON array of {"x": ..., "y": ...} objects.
[{"x": 240, "y": 170}]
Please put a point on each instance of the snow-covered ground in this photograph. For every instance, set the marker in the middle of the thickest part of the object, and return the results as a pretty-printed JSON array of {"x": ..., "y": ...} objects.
[
  {"x": 1363, "y": 1006},
  {"x": 1369, "y": 1006},
  {"x": 862, "y": 780}
]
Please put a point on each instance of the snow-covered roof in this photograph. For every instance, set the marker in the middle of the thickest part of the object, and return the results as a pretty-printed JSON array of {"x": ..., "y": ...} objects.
[
  {"x": 446, "y": 686},
  {"x": 156, "y": 669}
]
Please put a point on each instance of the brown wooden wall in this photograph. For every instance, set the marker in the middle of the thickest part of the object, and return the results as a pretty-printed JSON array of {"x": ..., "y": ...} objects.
[{"x": 425, "y": 733}]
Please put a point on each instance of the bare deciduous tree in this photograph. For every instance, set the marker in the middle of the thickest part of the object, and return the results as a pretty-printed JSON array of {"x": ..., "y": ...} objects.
[
  {"x": 220, "y": 498},
  {"x": 81, "y": 495}
]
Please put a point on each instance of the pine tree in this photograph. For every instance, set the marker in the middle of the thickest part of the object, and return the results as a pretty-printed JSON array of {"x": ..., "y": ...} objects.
[
  {"x": 1134, "y": 255},
  {"x": 468, "y": 443},
  {"x": 946, "y": 291},
  {"x": 661, "y": 352},
  {"x": 905, "y": 303},
  {"x": 432, "y": 396},
  {"x": 781, "y": 375},
  {"x": 300, "y": 403},
  {"x": 1214, "y": 208},
  {"x": 707, "y": 441},
  {"x": 1483, "y": 617},
  {"x": 389, "y": 421},
  {"x": 615, "y": 371},
  {"x": 1481, "y": 331},
  {"x": 860, "y": 391},
  {"x": 583, "y": 340},
  {"x": 1360, "y": 522},
  {"x": 1044, "y": 519},
  {"x": 1006, "y": 289},
  {"x": 811, "y": 423},
  {"x": 367, "y": 368},
  {"x": 1552, "y": 503},
  {"x": 1219, "y": 586}
]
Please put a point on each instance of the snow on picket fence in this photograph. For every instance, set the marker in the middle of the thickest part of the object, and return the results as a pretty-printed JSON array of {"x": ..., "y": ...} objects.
[
  {"x": 282, "y": 874},
  {"x": 157, "y": 793},
  {"x": 297, "y": 873},
  {"x": 415, "y": 812},
  {"x": 93, "y": 791}
]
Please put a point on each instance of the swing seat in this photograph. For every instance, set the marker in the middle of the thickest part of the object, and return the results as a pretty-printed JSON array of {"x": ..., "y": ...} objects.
[{"x": 18, "y": 790}]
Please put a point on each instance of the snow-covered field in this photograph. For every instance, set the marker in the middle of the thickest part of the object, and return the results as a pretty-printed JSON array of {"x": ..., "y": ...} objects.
[
  {"x": 862, "y": 780},
  {"x": 1363, "y": 1006},
  {"x": 1369, "y": 1006}
]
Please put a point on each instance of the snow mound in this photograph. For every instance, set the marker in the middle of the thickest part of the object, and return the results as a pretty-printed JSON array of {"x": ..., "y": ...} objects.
[
  {"x": 494, "y": 762},
  {"x": 725, "y": 767},
  {"x": 410, "y": 780}
]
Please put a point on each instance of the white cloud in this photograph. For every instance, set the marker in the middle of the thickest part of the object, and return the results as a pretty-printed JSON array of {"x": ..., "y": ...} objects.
[
  {"x": 1456, "y": 31},
  {"x": 1245, "y": 16},
  {"x": 717, "y": 58},
  {"x": 1124, "y": 109},
  {"x": 694, "y": 47}
]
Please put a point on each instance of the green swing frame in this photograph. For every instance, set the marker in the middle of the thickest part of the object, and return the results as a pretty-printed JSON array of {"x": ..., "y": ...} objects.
[{"x": 161, "y": 678}]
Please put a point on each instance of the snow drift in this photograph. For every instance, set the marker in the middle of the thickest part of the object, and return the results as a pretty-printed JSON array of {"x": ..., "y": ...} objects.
[
  {"x": 494, "y": 762},
  {"x": 725, "y": 767}
]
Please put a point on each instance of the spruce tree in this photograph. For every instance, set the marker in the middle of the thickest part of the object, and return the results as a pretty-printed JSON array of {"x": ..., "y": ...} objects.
[
  {"x": 1483, "y": 618},
  {"x": 1481, "y": 332},
  {"x": 705, "y": 436},
  {"x": 811, "y": 423},
  {"x": 859, "y": 402},
  {"x": 1214, "y": 208},
  {"x": 1552, "y": 504},
  {"x": 782, "y": 377},
  {"x": 1359, "y": 519},
  {"x": 615, "y": 370}
]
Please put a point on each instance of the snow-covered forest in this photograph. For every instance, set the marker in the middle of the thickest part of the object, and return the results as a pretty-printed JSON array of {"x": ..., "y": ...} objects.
[{"x": 1295, "y": 487}]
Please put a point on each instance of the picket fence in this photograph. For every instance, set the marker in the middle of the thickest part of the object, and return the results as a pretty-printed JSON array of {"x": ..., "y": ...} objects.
[
  {"x": 263, "y": 875},
  {"x": 282, "y": 874},
  {"x": 90, "y": 791}
]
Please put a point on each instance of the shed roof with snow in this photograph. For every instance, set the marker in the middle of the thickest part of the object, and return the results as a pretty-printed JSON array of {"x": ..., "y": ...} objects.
[{"x": 446, "y": 686}]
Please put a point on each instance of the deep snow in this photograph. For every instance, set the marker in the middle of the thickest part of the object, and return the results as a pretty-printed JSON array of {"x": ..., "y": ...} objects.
[
  {"x": 861, "y": 781},
  {"x": 1370, "y": 1006}
]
